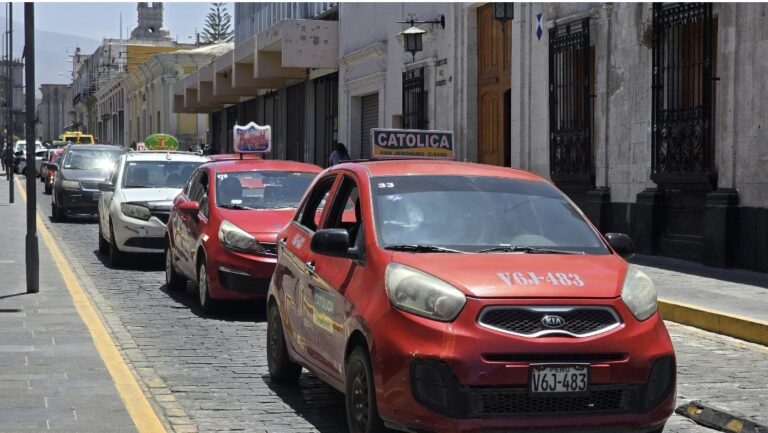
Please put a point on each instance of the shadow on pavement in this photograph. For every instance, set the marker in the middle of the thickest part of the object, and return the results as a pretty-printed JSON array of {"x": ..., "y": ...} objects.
[
  {"x": 738, "y": 276},
  {"x": 75, "y": 219},
  {"x": 314, "y": 400},
  {"x": 135, "y": 262},
  {"x": 232, "y": 311}
]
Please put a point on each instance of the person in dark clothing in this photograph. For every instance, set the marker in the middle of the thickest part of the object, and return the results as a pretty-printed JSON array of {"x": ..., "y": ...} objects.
[{"x": 339, "y": 154}]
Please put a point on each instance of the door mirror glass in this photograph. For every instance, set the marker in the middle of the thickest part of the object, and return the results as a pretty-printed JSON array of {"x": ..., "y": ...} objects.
[
  {"x": 622, "y": 244},
  {"x": 189, "y": 208},
  {"x": 332, "y": 242},
  {"x": 106, "y": 187}
]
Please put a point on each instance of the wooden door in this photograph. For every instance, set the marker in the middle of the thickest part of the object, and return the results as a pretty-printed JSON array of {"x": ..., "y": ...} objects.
[{"x": 494, "y": 52}]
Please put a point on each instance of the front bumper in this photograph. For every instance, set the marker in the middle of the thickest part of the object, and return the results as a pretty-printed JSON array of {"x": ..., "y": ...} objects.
[
  {"x": 137, "y": 236},
  {"x": 463, "y": 377},
  {"x": 238, "y": 276},
  {"x": 78, "y": 200}
]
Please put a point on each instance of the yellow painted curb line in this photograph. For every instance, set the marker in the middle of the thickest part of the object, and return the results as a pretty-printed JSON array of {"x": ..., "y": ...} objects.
[
  {"x": 141, "y": 412},
  {"x": 740, "y": 327}
]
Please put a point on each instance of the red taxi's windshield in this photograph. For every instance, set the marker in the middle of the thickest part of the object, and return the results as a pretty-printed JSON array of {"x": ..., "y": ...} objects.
[
  {"x": 261, "y": 189},
  {"x": 474, "y": 213}
]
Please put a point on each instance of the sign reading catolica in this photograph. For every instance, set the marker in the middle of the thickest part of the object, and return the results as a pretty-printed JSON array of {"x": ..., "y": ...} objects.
[
  {"x": 411, "y": 143},
  {"x": 252, "y": 138}
]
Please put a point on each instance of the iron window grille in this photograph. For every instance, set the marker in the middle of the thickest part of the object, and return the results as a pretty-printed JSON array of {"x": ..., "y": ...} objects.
[
  {"x": 682, "y": 148},
  {"x": 414, "y": 100},
  {"x": 570, "y": 108}
]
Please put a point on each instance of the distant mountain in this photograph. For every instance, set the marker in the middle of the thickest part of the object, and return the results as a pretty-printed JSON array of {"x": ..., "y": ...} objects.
[{"x": 52, "y": 53}]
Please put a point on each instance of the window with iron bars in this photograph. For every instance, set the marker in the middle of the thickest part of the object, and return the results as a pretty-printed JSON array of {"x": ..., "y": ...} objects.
[
  {"x": 414, "y": 100},
  {"x": 684, "y": 36},
  {"x": 571, "y": 112}
]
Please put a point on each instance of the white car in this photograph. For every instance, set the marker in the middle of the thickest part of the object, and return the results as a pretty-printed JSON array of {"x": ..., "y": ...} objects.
[
  {"x": 21, "y": 146},
  {"x": 136, "y": 201}
]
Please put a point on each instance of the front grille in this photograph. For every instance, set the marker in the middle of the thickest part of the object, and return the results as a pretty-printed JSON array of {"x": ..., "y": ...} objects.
[
  {"x": 270, "y": 249},
  {"x": 555, "y": 357},
  {"x": 89, "y": 184},
  {"x": 161, "y": 215},
  {"x": 517, "y": 401},
  {"x": 578, "y": 321},
  {"x": 243, "y": 283}
]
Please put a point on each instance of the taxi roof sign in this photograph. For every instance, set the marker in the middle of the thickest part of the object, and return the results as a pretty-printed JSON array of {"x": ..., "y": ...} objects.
[
  {"x": 411, "y": 143},
  {"x": 161, "y": 142},
  {"x": 252, "y": 138}
]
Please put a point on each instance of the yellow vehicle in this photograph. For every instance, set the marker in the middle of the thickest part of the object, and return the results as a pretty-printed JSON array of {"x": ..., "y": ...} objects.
[{"x": 77, "y": 137}]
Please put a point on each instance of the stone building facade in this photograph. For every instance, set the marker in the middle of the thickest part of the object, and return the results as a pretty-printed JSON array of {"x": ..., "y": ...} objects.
[{"x": 54, "y": 111}]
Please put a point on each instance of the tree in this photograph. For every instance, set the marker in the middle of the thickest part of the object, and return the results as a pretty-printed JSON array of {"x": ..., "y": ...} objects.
[{"x": 218, "y": 25}]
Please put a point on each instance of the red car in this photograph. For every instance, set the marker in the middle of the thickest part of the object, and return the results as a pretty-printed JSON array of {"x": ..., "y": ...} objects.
[
  {"x": 464, "y": 297},
  {"x": 223, "y": 226},
  {"x": 46, "y": 176}
]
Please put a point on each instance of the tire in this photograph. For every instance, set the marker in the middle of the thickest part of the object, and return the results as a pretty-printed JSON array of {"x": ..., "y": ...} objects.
[
  {"x": 115, "y": 255},
  {"x": 103, "y": 244},
  {"x": 173, "y": 280},
  {"x": 281, "y": 368},
  {"x": 360, "y": 394},
  {"x": 47, "y": 188},
  {"x": 57, "y": 213},
  {"x": 207, "y": 304}
]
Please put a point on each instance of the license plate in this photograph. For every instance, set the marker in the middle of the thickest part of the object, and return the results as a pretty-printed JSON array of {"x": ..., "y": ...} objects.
[{"x": 558, "y": 378}]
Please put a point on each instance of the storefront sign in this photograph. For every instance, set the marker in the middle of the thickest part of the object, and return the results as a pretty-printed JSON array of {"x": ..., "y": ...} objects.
[
  {"x": 161, "y": 142},
  {"x": 252, "y": 138},
  {"x": 412, "y": 143}
]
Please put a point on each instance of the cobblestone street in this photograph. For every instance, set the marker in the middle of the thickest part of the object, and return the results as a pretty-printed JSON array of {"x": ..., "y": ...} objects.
[{"x": 210, "y": 374}]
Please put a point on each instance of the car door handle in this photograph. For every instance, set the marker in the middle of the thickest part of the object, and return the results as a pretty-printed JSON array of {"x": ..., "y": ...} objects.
[{"x": 310, "y": 267}]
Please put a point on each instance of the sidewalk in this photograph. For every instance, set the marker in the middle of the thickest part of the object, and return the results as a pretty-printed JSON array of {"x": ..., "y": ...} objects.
[
  {"x": 733, "y": 302},
  {"x": 51, "y": 374}
]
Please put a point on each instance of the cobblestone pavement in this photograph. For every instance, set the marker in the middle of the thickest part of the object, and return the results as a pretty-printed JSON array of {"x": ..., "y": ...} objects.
[{"x": 210, "y": 374}]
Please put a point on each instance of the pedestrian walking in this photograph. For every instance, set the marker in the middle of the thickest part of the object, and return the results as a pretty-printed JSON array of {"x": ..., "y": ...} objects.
[
  {"x": 339, "y": 154},
  {"x": 6, "y": 157}
]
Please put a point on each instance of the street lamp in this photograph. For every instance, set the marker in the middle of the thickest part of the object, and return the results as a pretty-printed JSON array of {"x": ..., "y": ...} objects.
[{"x": 412, "y": 35}]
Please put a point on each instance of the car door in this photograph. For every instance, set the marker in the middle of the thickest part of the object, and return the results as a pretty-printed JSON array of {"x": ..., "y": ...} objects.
[
  {"x": 332, "y": 276},
  {"x": 105, "y": 202},
  {"x": 192, "y": 226},
  {"x": 292, "y": 271}
]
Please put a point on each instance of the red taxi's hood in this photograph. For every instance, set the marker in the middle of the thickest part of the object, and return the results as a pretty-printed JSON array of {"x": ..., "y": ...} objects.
[
  {"x": 264, "y": 224},
  {"x": 524, "y": 275}
]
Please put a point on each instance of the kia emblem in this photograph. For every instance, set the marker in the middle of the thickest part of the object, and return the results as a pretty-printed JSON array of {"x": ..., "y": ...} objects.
[{"x": 552, "y": 321}]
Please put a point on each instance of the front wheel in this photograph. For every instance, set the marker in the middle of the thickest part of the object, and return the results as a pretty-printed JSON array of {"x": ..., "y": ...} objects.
[
  {"x": 47, "y": 188},
  {"x": 281, "y": 368},
  {"x": 57, "y": 213},
  {"x": 173, "y": 280},
  {"x": 115, "y": 255},
  {"x": 103, "y": 244},
  {"x": 360, "y": 394},
  {"x": 207, "y": 304}
]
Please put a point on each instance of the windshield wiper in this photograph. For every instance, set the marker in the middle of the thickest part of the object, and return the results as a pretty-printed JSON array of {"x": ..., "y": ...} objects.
[
  {"x": 235, "y": 206},
  {"x": 526, "y": 249},
  {"x": 137, "y": 186},
  {"x": 423, "y": 249}
]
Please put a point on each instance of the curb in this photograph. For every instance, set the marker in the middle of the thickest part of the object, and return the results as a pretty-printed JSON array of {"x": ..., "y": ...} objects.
[
  {"x": 712, "y": 417},
  {"x": 743, "y": 328}
]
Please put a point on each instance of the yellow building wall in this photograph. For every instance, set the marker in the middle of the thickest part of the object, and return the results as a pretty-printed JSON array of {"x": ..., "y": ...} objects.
[
  {"x": 138, "y": 54},
  {"x": 186, "y": 123}
]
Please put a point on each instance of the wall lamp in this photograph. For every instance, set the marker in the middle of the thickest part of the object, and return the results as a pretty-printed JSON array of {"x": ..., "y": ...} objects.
[
  {"x": 412, "y": 35},
  {"x": 503, "y": 11}
]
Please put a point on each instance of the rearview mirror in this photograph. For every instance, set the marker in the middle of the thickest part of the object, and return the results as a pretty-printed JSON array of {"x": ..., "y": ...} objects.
[
  {"x": 622, "y": 244},
  {"x": 332, "y": 242},
  {"x": 106, "y": 187},
  {"x": 189, "y": 208}
]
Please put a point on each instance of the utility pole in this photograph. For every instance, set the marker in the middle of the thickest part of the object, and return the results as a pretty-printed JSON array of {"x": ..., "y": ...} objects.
[
  {"x": 9, "y": 100},
  {"x": 33, "y": 256}
]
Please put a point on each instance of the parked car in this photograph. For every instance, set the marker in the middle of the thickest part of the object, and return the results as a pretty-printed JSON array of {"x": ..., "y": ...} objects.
[
  {"x": 46, "y": 175},
  {"x": 136, "y": 201},
  {"x": 223, "y": 227},
  {"x": 464, "y": 297},
  {"x": 20, "y": 156},
  {"x": 76, "y": 179}
]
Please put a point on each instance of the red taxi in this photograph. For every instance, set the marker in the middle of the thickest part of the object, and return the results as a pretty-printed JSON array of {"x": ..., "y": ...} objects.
[
  {"x": 464, "y": 297},
  {"x": 223, "y": 226},
  {"x": 46, "y": 176}
]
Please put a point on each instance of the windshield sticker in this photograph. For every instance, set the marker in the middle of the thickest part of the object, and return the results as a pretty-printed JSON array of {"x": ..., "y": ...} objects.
[
  {"x": 298, "y": 241},
  {"x": 323, "y": 311},
  {"x": 386, "y": 185},
  {"x": 534, "y": 279},
  {"x": 221, "y": 176}
]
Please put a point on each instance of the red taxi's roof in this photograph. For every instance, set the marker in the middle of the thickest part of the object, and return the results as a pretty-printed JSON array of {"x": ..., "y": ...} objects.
[
  {"x": 399, "y": 167},
  {"x": 233, "y": 165}
]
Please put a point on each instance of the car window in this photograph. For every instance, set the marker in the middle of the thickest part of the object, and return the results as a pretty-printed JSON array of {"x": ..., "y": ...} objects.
[
  {"x": 194, "y": 192},
  {"x": 158, "y": 174},
  {"x": 312, "y": 209},
  {"x": 203, "y": 187},
  {"x": 262, "y": 189},
  {"x": 115, "y": 171},
  {"x": 90, "y": 159},
  {"x": 345, "y": 212}
]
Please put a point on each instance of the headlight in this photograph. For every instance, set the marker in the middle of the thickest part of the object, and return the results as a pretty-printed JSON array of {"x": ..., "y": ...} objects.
[
  {"x": 234, "y": 238},
  {"x": 135, "y": 211},
  {"x": 639, "y": 293},
  {"x": 70, "y": 184},
  {"x": 422, "y": 294}
]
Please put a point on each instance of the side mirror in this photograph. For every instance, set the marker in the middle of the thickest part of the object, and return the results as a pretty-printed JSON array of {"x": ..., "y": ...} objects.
[
  {"x": 622, "y": 244},
  {"x": 332, "y": 242},
  {"x": 53, "y": 167},
  {"x": 189, "y": 208},
  {"x": 106, "y": 187}
]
